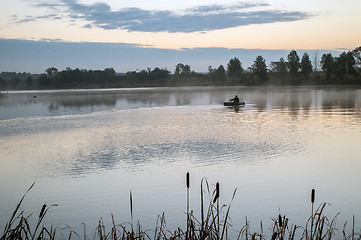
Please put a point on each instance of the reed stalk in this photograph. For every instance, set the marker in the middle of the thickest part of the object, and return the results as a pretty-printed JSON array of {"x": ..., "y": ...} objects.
[
  {"x": 214, "y": 225},
  {"x": 216, "y": 199},
  {"x": 202, "y": 211},
  {"x": 188, "y": 223},
  {"x": 226, "y": 217},
  {"x": 353, "y": 227},
  {"x": 13, "y": 216}
]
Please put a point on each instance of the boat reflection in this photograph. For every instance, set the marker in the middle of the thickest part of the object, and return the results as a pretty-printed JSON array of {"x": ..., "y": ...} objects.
[{"x": 235, "y": 108}]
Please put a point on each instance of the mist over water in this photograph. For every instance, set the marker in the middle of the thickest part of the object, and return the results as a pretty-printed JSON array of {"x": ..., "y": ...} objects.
[{"x": 87, "y": 149}]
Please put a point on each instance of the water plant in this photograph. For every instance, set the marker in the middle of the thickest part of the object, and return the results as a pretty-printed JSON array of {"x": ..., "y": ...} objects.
[
  {"x": 18, "y": 227},
  {"x": 213, "y": 224}
]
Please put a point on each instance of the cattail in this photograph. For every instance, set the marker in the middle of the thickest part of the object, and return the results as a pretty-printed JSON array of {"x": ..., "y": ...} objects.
[
  {"x": 280, "y": 220},
  {"x": 313, "y": 196},
  {"x": 312, "y": 216},
  {"x": 217, "y": 193},
  {"x": 274, "y": 235},
  {"x": 188, "y": 218},
  {"x": 42, "y": 211},
  {"x": 131, "y": 204}
]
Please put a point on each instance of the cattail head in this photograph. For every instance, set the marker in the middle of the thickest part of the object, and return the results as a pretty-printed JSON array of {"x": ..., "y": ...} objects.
[
  {"x": 280, "y": 221},
  {"x": 131, "y": 204},
  {"x": 41, "y": 214},
  {"x": 217, "y": 193},
  {"x": 313, "y": 196},
  {"x": 187, "y": 179}
]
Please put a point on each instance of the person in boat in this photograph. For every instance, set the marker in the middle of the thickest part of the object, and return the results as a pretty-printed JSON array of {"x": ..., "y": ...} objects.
[{"x": 235, "y": 99}]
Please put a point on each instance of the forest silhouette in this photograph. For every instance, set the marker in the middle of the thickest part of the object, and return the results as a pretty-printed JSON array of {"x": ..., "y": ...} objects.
[{"x": 344, "y": 69}]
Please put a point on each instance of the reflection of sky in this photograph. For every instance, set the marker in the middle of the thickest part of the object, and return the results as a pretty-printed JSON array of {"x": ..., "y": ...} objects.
[{"x": 276, "y": 148}]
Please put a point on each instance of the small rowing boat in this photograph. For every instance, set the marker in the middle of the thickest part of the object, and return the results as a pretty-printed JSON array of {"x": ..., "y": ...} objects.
[{"x": 234, "y": 103}]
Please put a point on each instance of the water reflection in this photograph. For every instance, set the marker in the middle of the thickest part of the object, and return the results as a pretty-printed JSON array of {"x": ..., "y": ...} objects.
[
  {"x": 339, "y": 99},
  {"x": 235, "y": 108},
  {"x": 137, "y": 157},
  {"x": 110, "y": 139},
  {"x": 262, "y": 98}
]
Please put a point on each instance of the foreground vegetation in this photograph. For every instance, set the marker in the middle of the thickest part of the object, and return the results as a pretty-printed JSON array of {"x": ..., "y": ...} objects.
[
  {"x": 214, "y": 223},
  {"x": 343, "y": 69}
]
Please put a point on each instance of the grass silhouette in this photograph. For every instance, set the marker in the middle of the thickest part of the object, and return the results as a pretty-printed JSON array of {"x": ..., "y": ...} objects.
[{"x": 213, "y": 224}]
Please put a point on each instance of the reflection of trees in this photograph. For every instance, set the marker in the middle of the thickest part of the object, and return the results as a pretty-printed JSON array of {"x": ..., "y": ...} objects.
[
  {"x": 261, "y": 103},
  {"x": 87, "y": 102},
  {"x": 299, "y": 100},
  {"x": 81, "y": 101},
  {"x": 147, "y": 98},
  {"x": 343, "y": 100},
  {"x": 294, "y": 100},
  {"x": 294, "y": 105}
]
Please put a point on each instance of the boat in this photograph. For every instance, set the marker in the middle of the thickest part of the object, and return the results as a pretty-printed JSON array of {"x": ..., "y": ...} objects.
[{"x": 234, "y": 103}]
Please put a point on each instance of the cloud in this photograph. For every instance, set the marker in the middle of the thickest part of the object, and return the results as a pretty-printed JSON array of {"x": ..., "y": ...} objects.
[
  {"x": 35, "y": 18},
  {"x": 35, "y": 56},
  {"x": 197, "y": 19}
]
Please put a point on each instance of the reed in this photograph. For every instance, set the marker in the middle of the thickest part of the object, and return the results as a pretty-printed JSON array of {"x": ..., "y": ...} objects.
[
  {"x": 213, "y": 224},
  {"x": 131, "y": 208},
  {"x": 188, "y": 219},
  {"x": 312, "y": 201}
]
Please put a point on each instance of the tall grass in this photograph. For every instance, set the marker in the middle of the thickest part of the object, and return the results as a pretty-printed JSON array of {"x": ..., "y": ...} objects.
[
  {"x": 212, "y": 224},
  {"x": 18, "y": 227}
]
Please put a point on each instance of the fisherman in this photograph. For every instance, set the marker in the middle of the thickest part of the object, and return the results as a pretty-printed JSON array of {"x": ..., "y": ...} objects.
[{"x": 235, "y": 99}]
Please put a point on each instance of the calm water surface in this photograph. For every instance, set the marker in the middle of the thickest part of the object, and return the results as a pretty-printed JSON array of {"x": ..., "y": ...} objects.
[{"x": 86, "y": 149}]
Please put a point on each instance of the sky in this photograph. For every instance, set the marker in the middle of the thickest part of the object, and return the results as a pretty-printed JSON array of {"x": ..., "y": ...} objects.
[{"x": 136, "y": 34}]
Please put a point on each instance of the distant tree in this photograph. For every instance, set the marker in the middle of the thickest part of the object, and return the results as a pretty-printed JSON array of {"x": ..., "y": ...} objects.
[
  {"x": 14, "y": 82},
  {"x": 109, "y": 71},
  {"x": 181, "y": 69},
  {"x": 328, "y": 64},
  {"x": 259, "y": 68},
  {"x": 357, "y": 54},
  {"x": 234, "y": 68},
  {"x": 220, "y": 73},
  {"x": 51, "y": 71},
  {"x": 186, "y": 70},
  {"x": 279, "y": 67},
  {"x": 345, "y": 64},
  {"x": 158, "y": 73},
  {"x": 29, "y": 81},
  {"x": 3, "y": 84},
  {"x": 306, "y": 66},
  {"x": 279, "y": 71},
  {"x": 351, "y": 65},
  {"x": 178, "y": 68},
  {"x": 217, "y": 74},
  {"x": 293, "y": 63},
  {"x": 210, "y": 70}
]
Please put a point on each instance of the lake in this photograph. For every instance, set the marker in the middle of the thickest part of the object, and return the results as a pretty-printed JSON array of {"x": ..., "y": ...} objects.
[{"x": 87, "y": 149}]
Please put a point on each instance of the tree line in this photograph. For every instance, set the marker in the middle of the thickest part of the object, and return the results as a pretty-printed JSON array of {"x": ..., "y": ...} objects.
[
  {"x": 344, "y": 69},
  {"x": 295, "y": 70}
]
